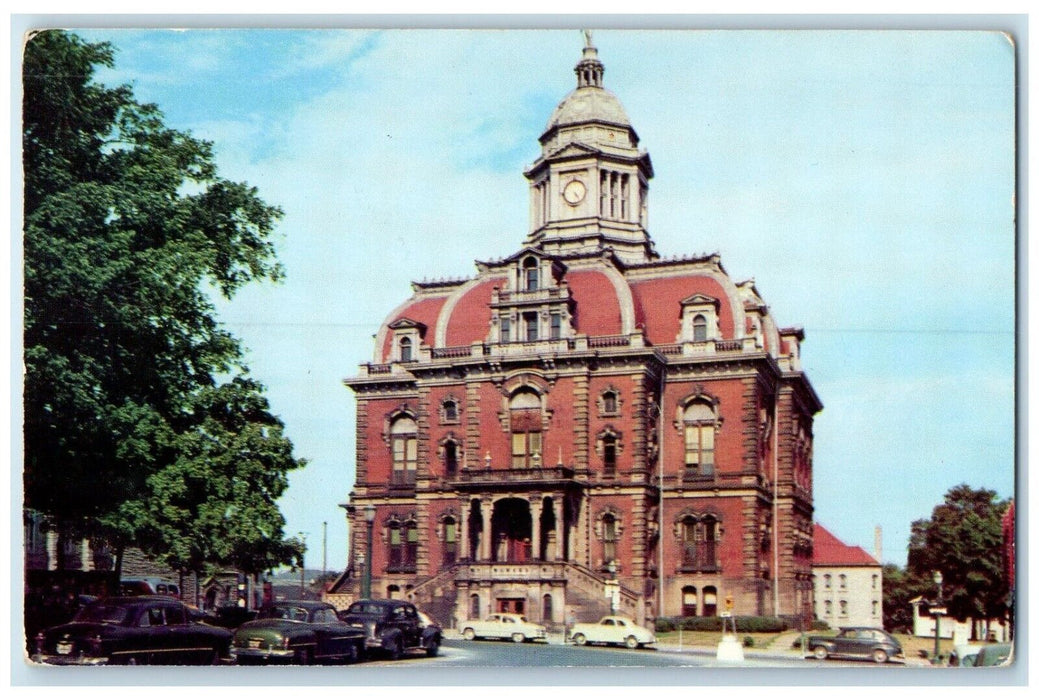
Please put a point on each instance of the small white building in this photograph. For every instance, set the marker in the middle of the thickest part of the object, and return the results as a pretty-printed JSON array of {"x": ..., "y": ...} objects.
[{"x": 848, "y": 583}]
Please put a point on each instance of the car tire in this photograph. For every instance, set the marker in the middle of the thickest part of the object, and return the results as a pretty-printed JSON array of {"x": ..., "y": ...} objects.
[
  {"x": 433, "y": 649},
  {"x": 215, "y": 659},
  {"x": 631, "y": 642},
  {"x": 880, "y": 656},
  {"x": 303, "y": 657},
  {"x": 131, "y": 661},
  {"x": 518, "y": 637},
  {"x": 820, "y": 652},
  {"x": 469, "y": 633},
  {"x": 396, "y": 649},
  {"x": 580, "y": 640}
]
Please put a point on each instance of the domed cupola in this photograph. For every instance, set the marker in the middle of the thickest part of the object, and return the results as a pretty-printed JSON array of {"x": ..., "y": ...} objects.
[{"x": 589, "y": 187}]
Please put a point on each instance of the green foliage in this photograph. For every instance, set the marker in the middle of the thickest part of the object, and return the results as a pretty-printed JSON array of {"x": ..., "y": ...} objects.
[
  {"x": 900, "y": 587},
  {"x": 714, "y": 624},
  {"x": 128, "y": 433},
  {"x": 962, "y": 539},
  {"x": 748, "y": 641}
]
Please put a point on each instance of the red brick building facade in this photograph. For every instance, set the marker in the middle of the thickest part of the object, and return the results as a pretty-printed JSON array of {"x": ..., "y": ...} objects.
[{"x": 584, "y": 424}]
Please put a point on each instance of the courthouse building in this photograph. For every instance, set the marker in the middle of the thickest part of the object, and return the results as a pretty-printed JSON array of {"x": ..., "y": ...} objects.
[{"x": 585, "y": 425}]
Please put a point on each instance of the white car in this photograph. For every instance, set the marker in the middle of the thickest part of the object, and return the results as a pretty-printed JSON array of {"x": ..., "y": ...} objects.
[
  {"x": 502, "y": 626},
  {"x": 612, "y": 629}
]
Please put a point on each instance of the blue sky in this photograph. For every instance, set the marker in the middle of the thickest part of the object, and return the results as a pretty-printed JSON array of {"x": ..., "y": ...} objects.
[{"x": 865, "y": 180}]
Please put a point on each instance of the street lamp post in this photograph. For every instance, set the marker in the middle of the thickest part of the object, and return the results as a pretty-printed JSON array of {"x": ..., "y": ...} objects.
[
  {"x": 366, "y": 582},
  {"x": 937, "y": 612}
]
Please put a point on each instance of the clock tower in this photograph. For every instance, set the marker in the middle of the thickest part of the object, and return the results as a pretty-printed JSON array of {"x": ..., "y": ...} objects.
[{"x": 589, "y": 187}]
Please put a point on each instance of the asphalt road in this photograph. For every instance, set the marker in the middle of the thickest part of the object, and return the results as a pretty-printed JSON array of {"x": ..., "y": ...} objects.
[{"x": 459, "y": 653}]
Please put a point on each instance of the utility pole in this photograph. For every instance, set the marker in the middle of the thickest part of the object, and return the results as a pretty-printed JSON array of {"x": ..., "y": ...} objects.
[{"x": 324, "y": 550}]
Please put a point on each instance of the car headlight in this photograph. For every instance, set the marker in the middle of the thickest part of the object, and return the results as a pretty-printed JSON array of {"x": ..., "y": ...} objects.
[{"x": 369, "y": 629}]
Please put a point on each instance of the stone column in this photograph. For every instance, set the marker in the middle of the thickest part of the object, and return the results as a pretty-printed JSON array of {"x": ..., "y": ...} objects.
[
  {"x": 486, "y": 537},
  {"x": 535, "y": 528},
  {"x": 464, "y": 549},
  {"x": 561, "y": 530}
]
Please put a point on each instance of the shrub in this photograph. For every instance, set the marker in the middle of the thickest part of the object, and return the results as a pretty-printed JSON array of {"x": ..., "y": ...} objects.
[
  {"x": 714, "y": 624},
  {"x": 748, "y": 641}
]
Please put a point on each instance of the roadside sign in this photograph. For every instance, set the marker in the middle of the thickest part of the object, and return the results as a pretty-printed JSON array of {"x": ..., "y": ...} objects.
[{"x": 939, "y": 611}]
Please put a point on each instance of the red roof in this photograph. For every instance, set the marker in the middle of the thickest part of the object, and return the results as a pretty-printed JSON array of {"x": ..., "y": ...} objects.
[{"x": 827, "y": 550}]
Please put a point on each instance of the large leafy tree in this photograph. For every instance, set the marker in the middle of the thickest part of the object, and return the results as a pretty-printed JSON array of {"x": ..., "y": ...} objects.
[
  {"x": 962, "y": 539},
  {"x": 128, "y": 230}
]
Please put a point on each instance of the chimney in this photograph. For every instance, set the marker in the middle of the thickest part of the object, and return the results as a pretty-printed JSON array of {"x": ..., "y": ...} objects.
[{"x": 878, "y": 545}]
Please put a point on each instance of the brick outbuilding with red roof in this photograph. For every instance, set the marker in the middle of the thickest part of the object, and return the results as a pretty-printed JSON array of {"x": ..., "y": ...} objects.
[{"x": 849, "y": 583}]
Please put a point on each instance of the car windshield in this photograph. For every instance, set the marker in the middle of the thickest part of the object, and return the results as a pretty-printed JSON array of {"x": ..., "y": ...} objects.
[
  {"x": 285, "y": 612},
  {"x": 364, "y": 609},
  {"x": 100, "y": 612}
]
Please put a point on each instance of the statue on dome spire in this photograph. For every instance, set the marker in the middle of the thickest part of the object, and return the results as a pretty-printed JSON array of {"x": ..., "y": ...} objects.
[
  {"x": 589, "y": 70},
  {"x": 587, "y": 38}
]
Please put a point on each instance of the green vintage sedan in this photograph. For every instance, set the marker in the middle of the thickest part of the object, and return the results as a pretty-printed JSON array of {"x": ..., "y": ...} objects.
[{"x": 297, "y": 632}]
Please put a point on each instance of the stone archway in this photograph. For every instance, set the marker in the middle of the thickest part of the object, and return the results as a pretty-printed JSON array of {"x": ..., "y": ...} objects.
[{"x": 511, "y": 530}]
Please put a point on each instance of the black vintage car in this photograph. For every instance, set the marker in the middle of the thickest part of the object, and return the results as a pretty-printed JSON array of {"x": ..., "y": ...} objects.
[
  {"x": 132, "y": 630},
  {"x": 299, "y": 632},
  {"x": 393, "y": 627},
  {"x": 857, "y": 641}
]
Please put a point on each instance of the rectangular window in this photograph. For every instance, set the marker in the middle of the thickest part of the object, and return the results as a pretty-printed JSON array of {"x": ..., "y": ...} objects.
[
  {"x": 506, "y": 329},
  {"x": 609, "y": 458},
  {"x": 450, "y": 543},
  {"x": 530, "y": 323},
  {"x": 557, "y": 326},
  {"x": 405, "y": 459},
  {"x": 624, "y": 197},
  {"x": 699, "y": 451},
  {"x": 524, "y": 447}
]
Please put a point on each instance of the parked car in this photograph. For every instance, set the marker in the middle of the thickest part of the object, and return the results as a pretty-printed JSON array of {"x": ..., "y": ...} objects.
[
  {"x": 503, "y": 626},
  {"x": 132, "y": 630},
  {"x": 393, "y": 627},
  {"x": 230, "y": 616},
  {"x": 995, "y": 655},
  {"x": 148, "y": 585},
  {"x": 297, "y": 631},
  {"x": 612, "y": 629},
  {"x": 870, "y": 642},
  {"x": 964, "y": 655}
]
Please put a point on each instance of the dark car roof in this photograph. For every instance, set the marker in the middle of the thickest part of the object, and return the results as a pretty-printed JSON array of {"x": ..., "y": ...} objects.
[
  {"x": 381, "y": 601},
  {"x": 308, "y": 604},
  {"x": 138, "y": 600}
]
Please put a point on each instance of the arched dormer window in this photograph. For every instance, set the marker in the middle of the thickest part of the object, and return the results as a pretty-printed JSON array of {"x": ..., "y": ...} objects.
[
  {"x": 530, "y": 274},
  {"x": 406, "y": 352},
  {"x": 699, "y": 328},
  {"x": 699, "y": 423},
  {"x": 404, "y": 449}
]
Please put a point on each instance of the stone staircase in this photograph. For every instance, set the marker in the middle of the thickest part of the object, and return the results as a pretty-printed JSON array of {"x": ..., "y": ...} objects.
[{"x": 585, "y": 591}]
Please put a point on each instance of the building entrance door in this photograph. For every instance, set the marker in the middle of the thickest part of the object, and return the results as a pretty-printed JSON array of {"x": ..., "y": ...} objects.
[{"x": 511, "y": 605}]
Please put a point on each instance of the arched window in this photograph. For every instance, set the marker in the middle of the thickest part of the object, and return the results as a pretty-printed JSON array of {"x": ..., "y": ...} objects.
[
  {"x": 404, "y": 442},
  {"x": 609, "y": 402},
  {"x": 699, "y": 328},
  {"x": 689, "y": 601},
  {"x": 710, "y": 601},
  {"x": 609, "y": 538},
  {"x": 827, "y": 581},
  {"x": 393, "y": 592},
  {"x": 827, "y": 608},
  {"x": 546, "y": 608},
  {"x": 450, "y": 414},
  {"x": 474, "y": 607},
  {"x": 450, "y": 540},
  {"x": 405, "y": 349},
  {"x": 530, "y": 274},
  {"x": 688, "y": 535},
  {"x": 451, "y": 458},
  {"x": 525, "y": 425},
  {"x": 843, "y": 580},
  {"x": 609, "y": 455},
  {"x": 844, "y": 608},
  {"x": 699, "y": 537},
  {"x": 699, "y": 424}
]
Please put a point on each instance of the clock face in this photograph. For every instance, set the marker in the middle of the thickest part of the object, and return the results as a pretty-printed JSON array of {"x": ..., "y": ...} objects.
[{"x": 574, "y": 191}]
